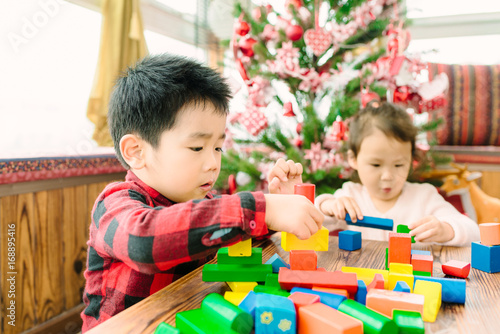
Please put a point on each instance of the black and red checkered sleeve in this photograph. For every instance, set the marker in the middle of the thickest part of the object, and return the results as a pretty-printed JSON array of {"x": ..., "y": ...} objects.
[{"x": 128, "y": 226}]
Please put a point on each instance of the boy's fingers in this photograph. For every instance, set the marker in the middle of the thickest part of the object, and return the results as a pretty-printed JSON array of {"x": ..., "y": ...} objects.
[{"x": 274, "y": 185}]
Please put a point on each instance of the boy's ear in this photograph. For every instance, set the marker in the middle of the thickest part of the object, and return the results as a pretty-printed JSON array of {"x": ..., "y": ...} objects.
[
  {"x": 131, "y": 148},
  {"x": 351, "y": 159}
]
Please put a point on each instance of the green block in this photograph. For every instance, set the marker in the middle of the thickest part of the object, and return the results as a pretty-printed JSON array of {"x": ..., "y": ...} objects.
[
  {"x": 373, "y": 322},
  {"x": 164, "y": 328},
  {"x": 195, "y": 322},
  {"x": 405, "y": 229},
  {"x": 272, "y": 281},
  {"x": 236, "y": 272},
  {"x": 219, "y": 310},
  {"x": 224, "y": 258},
  {"x": 271, "y": 290},
  {"x": 421, "y": 273},
  {"x": 387, "y": 259},
  {"x": 409, "y": 322}
]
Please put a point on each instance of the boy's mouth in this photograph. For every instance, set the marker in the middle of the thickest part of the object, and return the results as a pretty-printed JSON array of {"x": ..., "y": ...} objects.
[{"x": 207, "y": 186}]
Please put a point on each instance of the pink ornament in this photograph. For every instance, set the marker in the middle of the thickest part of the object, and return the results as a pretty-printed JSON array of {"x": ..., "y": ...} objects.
[
  {"x": 318, "y": 40},
  {"x": 339, "y": 128},
  {"x": 254, "y": 121},
  {"x": 299, "y": 128},
  {"x": 246, "y": 46},
  {"x": 256, "y": 14},
  {"x": 288, "y": 109},
  {"x": 294, "y": 32},
  {"x": 242, "y": 28}
]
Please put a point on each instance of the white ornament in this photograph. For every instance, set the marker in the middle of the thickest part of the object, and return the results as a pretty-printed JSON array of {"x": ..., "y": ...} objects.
[{"x": 242, "y": 179}]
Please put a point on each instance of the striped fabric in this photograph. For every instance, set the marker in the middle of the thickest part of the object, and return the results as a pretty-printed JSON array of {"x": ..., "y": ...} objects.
[{"x": 472, "y": 115}]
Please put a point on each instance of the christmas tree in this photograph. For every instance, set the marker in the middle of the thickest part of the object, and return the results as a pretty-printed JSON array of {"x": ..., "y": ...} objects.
[{"x": 307, "y": 69}]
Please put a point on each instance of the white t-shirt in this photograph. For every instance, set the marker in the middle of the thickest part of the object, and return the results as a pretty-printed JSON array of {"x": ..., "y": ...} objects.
[{"x": 416, "y": 201}]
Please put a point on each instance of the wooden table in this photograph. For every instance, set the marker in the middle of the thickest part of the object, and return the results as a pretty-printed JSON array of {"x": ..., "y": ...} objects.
[{"x": 479, "y": 315}]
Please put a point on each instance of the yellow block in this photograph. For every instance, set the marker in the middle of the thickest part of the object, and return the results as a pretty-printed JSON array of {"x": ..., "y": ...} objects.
[
  {"x": 242, "y": 286},
  {"x": 367, "y": 275},
  {"x": 400, "y": 268},
  {"x": 242, "y": 248},
  {"x": 317, "y": 242},
  {"x": 395, "y": 277},
  {"x": 235, "y": 297},
  {"x": 432, "y": 294}
]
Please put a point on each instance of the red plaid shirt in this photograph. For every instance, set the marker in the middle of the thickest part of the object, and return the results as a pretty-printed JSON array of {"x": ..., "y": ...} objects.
[{"x": 141, "y": 242}]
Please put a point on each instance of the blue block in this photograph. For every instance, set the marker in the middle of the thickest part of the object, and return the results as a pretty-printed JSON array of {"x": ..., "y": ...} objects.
[
  {"x": 373, "y": 222},
  {"x": 402, "y": 286},
  {"x": 274, "y": 314},
  {"x": 277, "y": 262},
  {"x": 349, "y": 240},
  {"x": 485, "y": 258},
  {"x": 453, "y": 290},
  {"x": 360, "y": 296},
  {"x": 248, "y": 303},
  {"x": 330, "y": 299},
  {"x": 420, "y": 252}
]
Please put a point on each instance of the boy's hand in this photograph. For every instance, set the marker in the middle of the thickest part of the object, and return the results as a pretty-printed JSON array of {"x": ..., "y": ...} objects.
[
  {"x": 294, "y": 214},
  {"x": 284, "y": 176},
  {"x": 338, "y": 207},
  {"x": 430, "y": 229}
]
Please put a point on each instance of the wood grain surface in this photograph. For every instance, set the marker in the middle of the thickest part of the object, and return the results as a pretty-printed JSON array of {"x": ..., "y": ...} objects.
[{"x": 480, "y": 314}]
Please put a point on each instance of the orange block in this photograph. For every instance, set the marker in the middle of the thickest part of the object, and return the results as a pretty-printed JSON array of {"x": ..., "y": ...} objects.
[
  {"x": 422, "y": 262},
  {"x": 301, "y": 299},
  {"x": 384, "y": 301},
  {"x": 399, "y": 247},
  {"x": 490, "y": 234},
  {"x": 303, "y": 259},
  {"x": 319, "y": 318},
  {"x": 341, "y": 292}
]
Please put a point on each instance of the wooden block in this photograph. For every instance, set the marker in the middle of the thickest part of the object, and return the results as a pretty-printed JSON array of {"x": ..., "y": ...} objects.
[
  {"x": 224, "y": 258},
  {"x": 235, "y": 298},
  {"x": 277, "y": 262},
  {"x": 490, "y": 234},
  {"x": 275, "y": 314},
  {"x": 235, "y": 272},
  {"x": 485, "y": 258},
  {"x": 242, "y": 248},
  {"x": 303, "y": 259},
  {"x": 164, "y": 328},
  {"x": 330, "y": 299},
  {"x": 306, "y": 189},
  {"x": 377, "y": 283},
  {"x": 456, "y": 268},
  {"x": 373, "y": 322},
  {"x": 402, "y": 286},
  {"x": 341, "y": 292},
  {"x": 248, "y": 303},
  {"x": 350, "y": 240},
  {"x": 409, "y": 321},
  {"x": 317, "y": 242},
  {"x": 422, "y": 262},
  {"x": 405, "y": 229},
  {"x": 432, "y": 294},
  {"x": 395, "y": 278},
  {"x": 399, "y": 248},
  {"x": 241, "y": 286},
  {"x": 453, "y": 289},
  {"x": 307, "y": 279},
  {"x": 400, "y": 268},
  {"x": 373, "y": 222},
  {"x": 271, "y": 290},
  {"x": 384, "y": 301},
  {"x": 360, "y": 296},
  {"x": 301, "y": 299},
  {"x": 230, "y": 316},
  {"x": 367, "y": 275},
  {"x": 320, "y": 318}
]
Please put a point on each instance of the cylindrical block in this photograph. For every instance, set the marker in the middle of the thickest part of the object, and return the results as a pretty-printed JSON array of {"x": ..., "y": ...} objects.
[
  {"x": 490, "y": 234},
  {"x": 306, "y": 189},
  {"x": 215, "y": 307},
  {"x": 373, "y": 322}
]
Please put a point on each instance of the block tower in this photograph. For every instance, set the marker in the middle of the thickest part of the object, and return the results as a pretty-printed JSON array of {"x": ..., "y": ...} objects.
[{"x": 485, "y": 255}]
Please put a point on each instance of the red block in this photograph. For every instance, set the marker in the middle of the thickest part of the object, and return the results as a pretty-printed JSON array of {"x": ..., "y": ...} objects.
[
  {"x": 300, "y": 299},
  {"x": 289, "y": 279},
  {"x": 303, "y": 259},
  {"x": 456, "y": 268},
  {"x": 422, "y": 262},
  {"x": 377, "y": 283},
  {"x": 399, "y": 247}
]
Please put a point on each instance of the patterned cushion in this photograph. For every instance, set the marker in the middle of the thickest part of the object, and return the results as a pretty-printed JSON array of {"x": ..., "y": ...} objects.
[{"x": 472, "y": 115}]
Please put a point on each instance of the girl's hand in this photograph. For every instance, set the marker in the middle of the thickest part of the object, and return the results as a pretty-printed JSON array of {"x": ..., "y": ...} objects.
[
  {"x": 284, "y": 176},
  {"x": 430, "y": 229},
  {"x": 338, "y": 207}
]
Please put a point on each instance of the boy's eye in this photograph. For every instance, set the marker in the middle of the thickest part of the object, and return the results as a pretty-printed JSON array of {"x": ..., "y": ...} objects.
[
  {"x": 219, "y": 149},
  {"x": 196, "y": 149}
]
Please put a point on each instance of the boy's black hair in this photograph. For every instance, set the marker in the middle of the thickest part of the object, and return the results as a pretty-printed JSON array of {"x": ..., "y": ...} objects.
[{"x": 147, "y": 97}]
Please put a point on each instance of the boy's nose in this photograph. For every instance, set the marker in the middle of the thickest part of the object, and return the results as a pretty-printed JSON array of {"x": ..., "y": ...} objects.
[{"x": 212, "y": 162}]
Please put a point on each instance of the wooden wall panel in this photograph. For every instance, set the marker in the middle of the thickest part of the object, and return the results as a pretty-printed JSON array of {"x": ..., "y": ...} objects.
[{"x": 48, "y": 255}]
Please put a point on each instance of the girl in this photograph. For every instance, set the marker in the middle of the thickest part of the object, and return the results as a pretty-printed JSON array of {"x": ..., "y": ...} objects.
[{"x": 381, "y": 151}]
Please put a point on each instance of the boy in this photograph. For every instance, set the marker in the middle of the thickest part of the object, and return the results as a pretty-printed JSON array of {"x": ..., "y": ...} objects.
[{"x": 167, "y": 119}]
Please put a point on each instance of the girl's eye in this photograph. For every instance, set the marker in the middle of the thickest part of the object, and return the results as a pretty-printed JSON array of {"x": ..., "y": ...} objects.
[
  {"x": 196, "y": 149},
  {"x": 399, "y": 166},
  {"x": 375, "y": 165}
]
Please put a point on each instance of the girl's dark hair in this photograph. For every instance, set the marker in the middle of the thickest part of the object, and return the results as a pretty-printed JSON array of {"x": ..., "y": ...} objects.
[
  {"x": 147, "y": 98},
  {"x": 392, "y": 120}
]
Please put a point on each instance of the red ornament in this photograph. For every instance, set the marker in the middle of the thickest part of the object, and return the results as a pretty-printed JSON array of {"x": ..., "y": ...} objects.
[
  {"x": 296, "y": 3},
  {"x": 288, "y": 109},
  {"x": 254, "y": 121},
  {"x": 393, "y": 46},
  {"x": 246, "y": 46},
  {"x": 401, "y": 94},
  {"x": 294, "y": 32},
  {"x": 318, "y": 40},
  {"x": 298, "y": 142},
  {"x": 299, "y": 128},
  {"x": 367, "y": 96},
  {"x": 241, "y": 69},
  {"x": 339, "y": 129},
  {"x": 231, "y": 182},
  {"x": 242, "y": 28}
]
